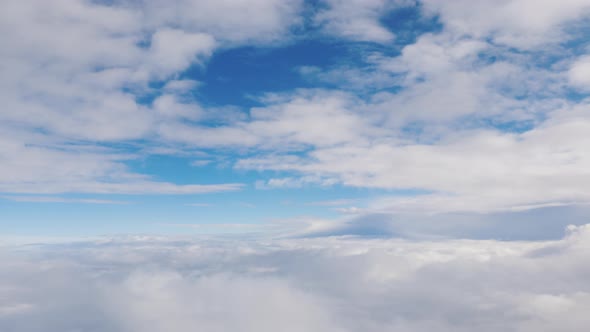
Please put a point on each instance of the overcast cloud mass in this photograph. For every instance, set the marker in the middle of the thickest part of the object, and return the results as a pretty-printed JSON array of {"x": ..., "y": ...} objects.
[
  {"x": 301, "y": 165},
  {"x": 151, "y": 284}
]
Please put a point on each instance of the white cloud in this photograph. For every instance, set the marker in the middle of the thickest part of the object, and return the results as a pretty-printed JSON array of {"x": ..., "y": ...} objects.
[
  {"x": 46, "y": 166},
  {"x": 54, "y": 199},
  {"x": 315, "y": 119},
  {"x": 200, "y": 204},
  {"x": 518, "y": 23},
  {"x": 173, "y": 50},
  {"x": 336, "y": 202},
  {"x": 295, "y": 182},
  {"x": 477, "y": 125},
  {"x": 423, "y": 130},
  {"x": 169, "y": 107},
  {"x": 289, "y": 121},
  {"x": 73, "y": 72},
  {"x": 338, "y": 284},
  {"x": 231, "y": 21},
  {"x": 579, "y": 73},
  {"x": 357, "y": 19},
  {"x": 477, "y": 170},
  {"x": 200, "y": 163},
  {"x": 524, "y": 24}
]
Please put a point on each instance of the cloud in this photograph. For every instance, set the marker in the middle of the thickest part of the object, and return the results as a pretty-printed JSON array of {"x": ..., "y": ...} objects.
[
  {"x": 295, "y": 182},
  {"x": 75, "y": 72},
  {"x": 173, "y": 50},
  {"x": 518, "y": 23},
  {"x": 462, "y": 113},
  {"x": 336, "y": 202},
  {"x": 200, "y": 204},
  {"x": 471, "y": 123},
  {"x": 154, "y": 284},
  {"x": 224, "y": 20},
  {"x": 288, "y": 121},
  {"x": 89, "y": 91},
  {"x": 303, "y": 117},
  {"x": 538, "y": 224},
  {"x": 200, "y": 163},
  {"x": 54, "y": 199},
  {"x": 579, "y": 73},
  {"x": 78, "y": 168},
  {"x": 357, "y": 20},
  {"x": 477, "y": 171}
]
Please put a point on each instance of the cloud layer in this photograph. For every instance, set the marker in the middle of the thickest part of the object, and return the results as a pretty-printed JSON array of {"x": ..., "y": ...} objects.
[{"x": 328, "y": 284}]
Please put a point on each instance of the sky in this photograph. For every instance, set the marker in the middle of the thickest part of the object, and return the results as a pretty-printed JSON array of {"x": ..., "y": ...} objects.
[
  {"x": 301, "y": 165},
  {"x": 151, "y": 116}
]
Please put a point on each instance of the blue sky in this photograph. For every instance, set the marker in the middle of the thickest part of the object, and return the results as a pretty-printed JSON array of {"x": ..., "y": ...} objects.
[{"x": 140, "y": 117}]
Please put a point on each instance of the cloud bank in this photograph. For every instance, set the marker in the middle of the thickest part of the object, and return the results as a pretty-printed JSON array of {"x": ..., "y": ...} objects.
[{"x": 154, "y": 284}]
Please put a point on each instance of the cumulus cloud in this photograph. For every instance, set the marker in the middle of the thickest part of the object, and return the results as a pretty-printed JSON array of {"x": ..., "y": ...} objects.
[
  {"x": 474, "y": 170},
  {"x": 474, "y": 113},
  {"x": 357, "y": 20},
  {"x": 288, "y": 122},
  {"x": 173, "y": 50},
  {"x": 74, "y": 71},
  {"x": 495, "y": 122},
  {"x": 228, "y": 20},
  {"x": 579, "y": 73},
  {"x": 522, "y": 24},
  {"x": 156, "y": 284}
]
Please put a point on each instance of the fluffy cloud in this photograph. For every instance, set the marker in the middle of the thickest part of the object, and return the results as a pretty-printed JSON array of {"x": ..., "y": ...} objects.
[
  {"x": 473, "y": 170},
  {"x": 579, "y": 73},
  {"x": 73, "y": 72},
  {"x": 287, "y": 122},
  {"x": 328, "y": 284},
  {"x": 66, "y": 73},
  {"x": 230, "y": 21},
  {"x": 463, "y": 113},
  {"x": 173, "y": 50},
  {"x": 518, "y": 23},
  {"x": 478, "y": 126},
  {"x": 357, "y": 20}
]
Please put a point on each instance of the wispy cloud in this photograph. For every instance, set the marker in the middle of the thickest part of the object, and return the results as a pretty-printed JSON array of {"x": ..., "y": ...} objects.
[
  {"x": 200, "y": 204},
  {"x": 336, "y": 202},
  {"x": 56, "y": 199}
]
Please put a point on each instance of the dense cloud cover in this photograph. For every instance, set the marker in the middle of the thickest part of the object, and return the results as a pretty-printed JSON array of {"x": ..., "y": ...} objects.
[{"x": 150, "y": 284}]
